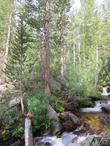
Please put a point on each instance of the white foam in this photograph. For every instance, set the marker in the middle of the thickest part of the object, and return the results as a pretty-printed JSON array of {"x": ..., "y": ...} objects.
[
  {"x": 67, "y": 139},
  {"x": 104, "y": 91},
  {"x": 97, "y": 108}
]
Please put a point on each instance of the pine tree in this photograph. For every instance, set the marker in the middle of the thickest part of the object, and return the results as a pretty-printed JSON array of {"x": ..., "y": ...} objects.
[
  {"x": 41, "y": 24},
  {"x": 16, "y": 67}
]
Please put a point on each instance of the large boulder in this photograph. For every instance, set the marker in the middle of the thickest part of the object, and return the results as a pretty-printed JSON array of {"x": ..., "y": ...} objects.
[
  {"x": 70, "y": 106},
  {"x": 70, "y": 102},
  {"x": 55, "y": 86},
  {"x": 69, "y": 121},
  {"x": 14, "y": 101},
  {"x": 56, "y": 126},
  {"x": 106, "y": 109}
]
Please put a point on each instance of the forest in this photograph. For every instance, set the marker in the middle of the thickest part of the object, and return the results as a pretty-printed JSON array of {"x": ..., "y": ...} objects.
[{"x": 54, "y": 73}]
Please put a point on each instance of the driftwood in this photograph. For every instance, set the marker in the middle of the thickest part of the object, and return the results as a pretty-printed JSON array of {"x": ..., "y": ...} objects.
[{"x": 28, "y": 132}]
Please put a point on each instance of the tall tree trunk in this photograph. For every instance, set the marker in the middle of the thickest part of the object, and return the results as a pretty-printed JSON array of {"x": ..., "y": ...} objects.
[
  {"x": 62, "y": 47},
  {"x": 7, "y": 43},
  {"x": 74, "y": 56},
  {"x": 62, "y": 61},
  {"x": 97, "y": 61},
  {"x": 79, "y": 51},
  {"x": 47, "y": 46}
]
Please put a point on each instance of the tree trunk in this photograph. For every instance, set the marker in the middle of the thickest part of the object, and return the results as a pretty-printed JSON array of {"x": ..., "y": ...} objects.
[
  {"x": 47, "y": 46},
  {"x": 97, "y": 61},
  {"x": 62, "y": 47},
  {"x": 28, "y": 132},
  {"x": 22, "y": 105},
  {"x": 74, "y": 56},
  {"x": 7, "y": 43},
  {"x": 62, "y": 60},
  {"x": 79, "y": 51}
]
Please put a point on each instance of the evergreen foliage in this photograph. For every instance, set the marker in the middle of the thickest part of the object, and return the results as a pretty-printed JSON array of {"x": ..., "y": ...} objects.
[{"x": 17, "y": 66}]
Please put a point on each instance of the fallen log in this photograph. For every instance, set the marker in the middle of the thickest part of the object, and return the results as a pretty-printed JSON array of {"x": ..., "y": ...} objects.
[
  {"x": 28, "y": 125},
  {"x": 28, "y": 132}
]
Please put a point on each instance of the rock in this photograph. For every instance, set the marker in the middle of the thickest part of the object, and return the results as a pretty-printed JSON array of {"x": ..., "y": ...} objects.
[
  {"x": 82, "y": 129},
  {"x": 55, "y": 86},
  {"x": 69, "y": 121},
  {"x": 70, "y": 104},
  {"x": 62, "y": 80},
  {"x": 17, "y": 143},
  {"x": 106, "y": 109},
  {"x": 70, "y": 107},
  {"x": 43, "y": 143},
  {"x": 5, "y": 86},
  {"x": 14, "y": 101},
  {"x": 16, "y": 98},
  {"x": 105, "y": 119},
  {"x": 56, "y": 126},
  {"x": 2, "y": 81}
]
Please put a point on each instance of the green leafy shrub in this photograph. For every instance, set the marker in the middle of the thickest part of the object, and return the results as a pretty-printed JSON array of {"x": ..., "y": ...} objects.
[
  {"x": 38, "y": 105},
  {"x": 82, "y": 80},
  {"x": 12, "y": 124},
  {"x": 58, "y": 106},
  {"x": 84, "y": 102},
  {"x": 17, "y": 132}
]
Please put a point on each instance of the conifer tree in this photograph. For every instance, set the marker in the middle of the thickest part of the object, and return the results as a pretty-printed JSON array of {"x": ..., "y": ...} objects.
[{"x": 16, "y": 67}]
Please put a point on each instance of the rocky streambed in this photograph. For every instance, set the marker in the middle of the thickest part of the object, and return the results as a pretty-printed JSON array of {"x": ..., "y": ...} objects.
[
  {"x": 91, "y": 124},
  {"x": 98, "y": 121},
  {"x": 98, "y": 128},
  {"x": 66, "y": 139}
]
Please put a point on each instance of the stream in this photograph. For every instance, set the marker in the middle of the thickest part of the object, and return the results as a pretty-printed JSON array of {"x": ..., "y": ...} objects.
[
  {"x": 99, "y": 126},
  {"x": 97, "y": 120},
  {"x": 66, "y": 139}
]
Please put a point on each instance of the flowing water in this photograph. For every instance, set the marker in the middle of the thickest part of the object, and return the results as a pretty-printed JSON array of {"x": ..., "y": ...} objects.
[
  {"x": 97, "y": 108},
  {"x": 97, "y": 120},
  {"x": 67, "y": 139}
]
